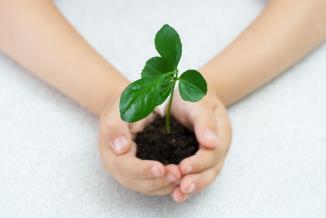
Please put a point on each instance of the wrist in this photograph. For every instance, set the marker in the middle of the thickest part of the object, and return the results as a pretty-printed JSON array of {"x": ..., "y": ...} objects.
[
  {"x": 114, "y": 94},
  {"x": 221, "y": 80},
  {"x": 212, "y": 90}
]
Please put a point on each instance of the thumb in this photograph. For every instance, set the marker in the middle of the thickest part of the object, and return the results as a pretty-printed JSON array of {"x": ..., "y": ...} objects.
[
  {"x": 116, "y": 133},
  {"x": 205, "y": 127}
]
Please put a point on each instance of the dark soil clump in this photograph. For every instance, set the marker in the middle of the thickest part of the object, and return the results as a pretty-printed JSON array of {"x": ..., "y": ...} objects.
[{"x": 153, "y": 143}]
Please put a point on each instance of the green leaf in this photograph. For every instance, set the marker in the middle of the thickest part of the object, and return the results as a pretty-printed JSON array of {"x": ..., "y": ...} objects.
[
  {"x": 155, "y": 66},
  {"x": 168, "y": 45},
  {"x": 192, "y": 86},
  {"x": 139, "y": 98},
  {"x": 166, "y": 87}
]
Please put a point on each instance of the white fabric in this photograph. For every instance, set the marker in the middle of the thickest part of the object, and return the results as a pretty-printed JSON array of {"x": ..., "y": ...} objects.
[{"x": 49, "y": 163}]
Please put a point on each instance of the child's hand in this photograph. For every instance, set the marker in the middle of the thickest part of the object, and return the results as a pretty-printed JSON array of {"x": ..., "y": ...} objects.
[
  {"x": 210, "y": 122},
  {"x": 117, "y": 150}
]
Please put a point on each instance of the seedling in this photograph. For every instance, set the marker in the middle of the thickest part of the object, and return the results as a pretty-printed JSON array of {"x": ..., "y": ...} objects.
[{"x": 158, "y": 79}]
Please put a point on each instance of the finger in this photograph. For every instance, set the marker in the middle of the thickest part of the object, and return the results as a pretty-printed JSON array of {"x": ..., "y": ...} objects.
[
  {"x": 202, "y": 160},
  {"x": 197, "y": 182},
  {"x": 178, "y": 196},
  {"x": 224, "y": 128},
  {"x": 162, "y": 191},
  {"x": 172, "y": 173},
  {"x": 131, "y": 167},
  {"x": 116, "y": 132},
  {"x": 205, "y": 127},
  {"x": 148, "y": 186}
]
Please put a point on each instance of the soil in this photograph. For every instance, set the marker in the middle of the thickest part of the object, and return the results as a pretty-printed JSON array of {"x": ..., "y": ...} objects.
[{"x": 154, "y": 143}]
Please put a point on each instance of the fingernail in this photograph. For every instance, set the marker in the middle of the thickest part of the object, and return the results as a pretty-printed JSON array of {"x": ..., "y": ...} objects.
[
  {"x": 119, "y": 143},
  {"x": 156, "y": 171},
  {"x": 171, "y": 178},
  {"x": 188, "y": 169},
  {"x": 211, "y": 136},
  {"x": 191, "y": 188}
]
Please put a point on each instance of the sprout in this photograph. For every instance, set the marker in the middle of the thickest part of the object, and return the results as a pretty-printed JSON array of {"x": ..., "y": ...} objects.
[{"x": 158, "y": 79}]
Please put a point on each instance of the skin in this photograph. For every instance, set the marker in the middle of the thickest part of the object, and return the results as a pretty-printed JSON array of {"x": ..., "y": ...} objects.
[
  {"x": 274, "y": 46},
  {"x": 51, "y": 49}
]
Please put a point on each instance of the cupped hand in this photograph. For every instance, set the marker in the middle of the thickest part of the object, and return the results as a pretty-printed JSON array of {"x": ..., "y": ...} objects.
[
  {"x": 118, "y": 149},
  {"x": 209, "y": 120}
]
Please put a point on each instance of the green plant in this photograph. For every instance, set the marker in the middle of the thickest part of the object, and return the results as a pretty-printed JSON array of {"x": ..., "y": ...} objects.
[{"x": 158, "y": 79}]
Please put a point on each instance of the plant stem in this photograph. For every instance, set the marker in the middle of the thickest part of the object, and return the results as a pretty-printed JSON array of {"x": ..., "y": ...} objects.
[
  {"x": 168, "y": 112},
  {"x": 168, "y": 109}
]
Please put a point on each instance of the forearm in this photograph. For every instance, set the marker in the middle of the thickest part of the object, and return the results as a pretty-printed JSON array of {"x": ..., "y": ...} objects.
[
  {"x": 37, "y": 36},
  {"x": 285, "y": 31}
]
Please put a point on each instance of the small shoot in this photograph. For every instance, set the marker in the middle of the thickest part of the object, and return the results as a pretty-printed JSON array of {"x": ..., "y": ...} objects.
[{"x": 158, "y": 80}]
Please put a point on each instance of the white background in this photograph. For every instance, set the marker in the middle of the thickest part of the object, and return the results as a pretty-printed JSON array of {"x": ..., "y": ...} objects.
[{"x": 49, "y": 163}]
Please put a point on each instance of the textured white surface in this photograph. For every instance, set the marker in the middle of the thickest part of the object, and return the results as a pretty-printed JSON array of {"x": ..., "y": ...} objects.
[{"x": 49, "y": 164}]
